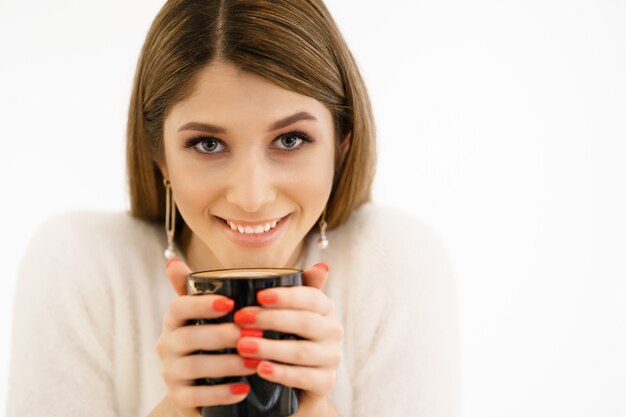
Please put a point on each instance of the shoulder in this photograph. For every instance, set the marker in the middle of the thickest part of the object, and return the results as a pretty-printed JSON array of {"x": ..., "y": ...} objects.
[
  {"x": 72, "y": 246},
  {"x": 93, "y": 236},
  {"x": 82, "y": 229},
  {"x": 376, "y": 218},
  {"x": 390, "y": 232},
  {"x": 380, "y": 245}
]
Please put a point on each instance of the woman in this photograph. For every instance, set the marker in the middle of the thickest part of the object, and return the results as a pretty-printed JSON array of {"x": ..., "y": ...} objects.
[{"x": 251, "y": 120}]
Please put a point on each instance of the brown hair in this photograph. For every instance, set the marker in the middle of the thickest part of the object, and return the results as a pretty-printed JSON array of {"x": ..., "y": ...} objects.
[{"x": 294, "y": 44}]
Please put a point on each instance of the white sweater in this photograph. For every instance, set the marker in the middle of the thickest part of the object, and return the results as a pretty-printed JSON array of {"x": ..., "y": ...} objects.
[{"x": 92, "y": 291}]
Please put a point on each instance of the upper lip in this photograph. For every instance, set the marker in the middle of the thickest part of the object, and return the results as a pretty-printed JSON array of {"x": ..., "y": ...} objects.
[{"x": 254, "y": 223}]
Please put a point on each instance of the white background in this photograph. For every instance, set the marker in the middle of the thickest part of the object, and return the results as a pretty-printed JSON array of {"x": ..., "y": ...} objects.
[{"x": 501, "y": 125}]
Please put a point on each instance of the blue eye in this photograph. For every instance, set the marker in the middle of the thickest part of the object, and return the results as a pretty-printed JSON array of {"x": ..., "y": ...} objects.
[
  {"x": 293, "y": 140},
  {"x": 207, "y": 145}
]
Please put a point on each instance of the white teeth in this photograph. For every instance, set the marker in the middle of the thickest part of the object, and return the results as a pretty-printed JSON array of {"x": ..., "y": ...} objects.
[{"x": 255, "y": 229}]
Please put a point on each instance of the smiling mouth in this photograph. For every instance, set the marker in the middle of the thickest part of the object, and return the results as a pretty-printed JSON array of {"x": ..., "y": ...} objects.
[{"x": 253, "y": 229}]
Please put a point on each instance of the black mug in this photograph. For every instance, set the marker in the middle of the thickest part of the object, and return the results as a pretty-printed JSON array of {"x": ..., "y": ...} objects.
[{"x": 265, "y": 399}]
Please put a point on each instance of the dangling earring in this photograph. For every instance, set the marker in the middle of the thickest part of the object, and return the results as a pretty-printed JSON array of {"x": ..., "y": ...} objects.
[
  {"x": 170, "y": 219},
  {"x": 322, "y": 242}
]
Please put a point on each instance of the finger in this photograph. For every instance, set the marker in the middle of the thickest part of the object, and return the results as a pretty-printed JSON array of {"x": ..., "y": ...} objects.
[
  {"x": 189, "y": 307},
  {"x": 192, "y": 367},
  {"x": 203, "y": 396},
  {"x": 316, "y": 276},
  {"x": 314, "y": 380},
  {"x": 188, "y": 339},
  {"x": 296, "y": 298},
  {"x": 305, "y": 324},
  {"x": 293, "y": 352},
  {"x": 177, "y": 272}
]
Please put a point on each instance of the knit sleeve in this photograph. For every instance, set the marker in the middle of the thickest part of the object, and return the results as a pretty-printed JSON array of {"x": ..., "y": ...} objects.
[
  {"x": 61, "y": 348},
  {"x": 407, "y": 350}
]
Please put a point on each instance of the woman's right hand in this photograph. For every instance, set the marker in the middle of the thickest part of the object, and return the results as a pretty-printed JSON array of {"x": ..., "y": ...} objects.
[{"x": 179, "y": 368}]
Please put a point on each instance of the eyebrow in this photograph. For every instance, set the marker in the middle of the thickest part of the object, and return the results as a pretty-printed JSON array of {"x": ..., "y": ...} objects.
[{"x": 279, "y": 124}]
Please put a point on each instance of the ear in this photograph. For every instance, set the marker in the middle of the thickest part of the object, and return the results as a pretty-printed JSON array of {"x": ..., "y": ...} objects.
[
  {"x": 345, "y": 145},
  {"x": 163, "y": 169}
]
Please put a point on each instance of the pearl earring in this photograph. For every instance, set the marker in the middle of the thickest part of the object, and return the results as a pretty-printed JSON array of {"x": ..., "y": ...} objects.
[
  {"x": 322, "y": 242},
  {"x": 170, "y": 219}
]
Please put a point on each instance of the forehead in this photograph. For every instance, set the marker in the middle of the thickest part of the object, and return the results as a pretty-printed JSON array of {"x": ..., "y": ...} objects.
[{"x": 223, "y": 91}]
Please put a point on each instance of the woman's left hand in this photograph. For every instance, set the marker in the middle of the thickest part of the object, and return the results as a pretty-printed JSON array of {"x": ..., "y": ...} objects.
[{"x": 306, "y": 311}]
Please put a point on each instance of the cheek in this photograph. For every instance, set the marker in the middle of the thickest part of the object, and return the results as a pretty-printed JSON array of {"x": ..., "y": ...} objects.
[
  {"x": 195, "y": 184},
  {"x": 321, "y": 170},
  {"x": 314, "y": 166},
  {"x": 192, "y": 199},
  {"x": 195, "y": 191},
  {"x": 310, "y": 181}
]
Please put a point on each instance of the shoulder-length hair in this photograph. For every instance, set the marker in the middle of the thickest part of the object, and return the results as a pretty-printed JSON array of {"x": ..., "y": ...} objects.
[{"x": 292, "y": 43}]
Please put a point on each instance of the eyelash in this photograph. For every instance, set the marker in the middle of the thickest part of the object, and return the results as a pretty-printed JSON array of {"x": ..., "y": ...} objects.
[{"x": 192, "y": 142}]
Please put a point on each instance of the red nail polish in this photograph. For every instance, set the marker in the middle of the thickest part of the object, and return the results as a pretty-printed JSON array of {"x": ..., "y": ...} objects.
[
  {"x": 266, "y": 368},
  {"x": 251, "y": 363},
  {"x": 223, "y": 304},
  {"x": 239, "y": 389},
  {"x": 245, "y": 317},
  {"x": 169, "y": 261},
  {"x": 322, "y": 265},
  {"x": 247, "y": 346},
  {"x": 250, "y": 333},
  {"x": 266, "y": 297}
]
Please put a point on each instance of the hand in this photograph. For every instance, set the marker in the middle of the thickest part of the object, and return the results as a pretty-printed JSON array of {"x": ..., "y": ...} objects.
[
  {"x": 306, "y": 311},
  {"x": 179, "y": 368}
]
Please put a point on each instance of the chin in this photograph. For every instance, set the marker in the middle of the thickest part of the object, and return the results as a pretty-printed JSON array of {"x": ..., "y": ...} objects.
[{"x": 257, "y": 260}]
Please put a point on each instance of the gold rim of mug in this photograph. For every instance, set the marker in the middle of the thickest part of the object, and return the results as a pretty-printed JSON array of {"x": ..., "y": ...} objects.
[{"x": 246, "y": 273}]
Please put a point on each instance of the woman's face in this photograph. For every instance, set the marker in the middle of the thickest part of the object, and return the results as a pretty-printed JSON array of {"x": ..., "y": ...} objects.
[{"x": 244, "y": 155}]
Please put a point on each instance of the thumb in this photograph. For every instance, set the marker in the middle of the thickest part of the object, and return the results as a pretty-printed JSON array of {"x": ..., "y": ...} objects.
[
  {"x": 177, "y": 272},
  {"x": 316, "y": 276}
]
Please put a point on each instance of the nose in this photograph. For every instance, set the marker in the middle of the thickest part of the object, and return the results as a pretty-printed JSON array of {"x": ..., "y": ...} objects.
[{"x": 250, "y": 183}]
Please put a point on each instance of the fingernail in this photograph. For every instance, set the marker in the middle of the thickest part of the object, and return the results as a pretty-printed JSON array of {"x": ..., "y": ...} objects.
[
  {"x": 169, "y": 261},
  {"x": 251, "y": 333},
  {"x": 239, "y": 389},
  {"x": 245, "y": 317},
  {"x": 266, "y": 368},
  {"x": 322, "y": 265},
  {"x": 266, "y": 297},
  {"x": 223, "y": 304},
  {"x": 251, "y": 363},
  {"x": 247, "y": 346}
]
